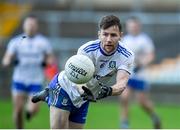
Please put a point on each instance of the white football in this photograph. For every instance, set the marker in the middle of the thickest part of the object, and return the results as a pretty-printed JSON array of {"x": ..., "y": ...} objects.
[{"x": 79, "y": 69}]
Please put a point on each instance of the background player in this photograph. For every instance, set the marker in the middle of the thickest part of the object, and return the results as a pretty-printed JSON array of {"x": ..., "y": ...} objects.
[
  {"x": 143, "y": 48},
  {"x": 31, "y": 51},
  {"x": 69, "y": 102}
]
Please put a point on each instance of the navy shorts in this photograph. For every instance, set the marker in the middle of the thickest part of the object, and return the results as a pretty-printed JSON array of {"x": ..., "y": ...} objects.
[
  {"x": 60, "y": 99},
  {"x": 138, "y": 84}
]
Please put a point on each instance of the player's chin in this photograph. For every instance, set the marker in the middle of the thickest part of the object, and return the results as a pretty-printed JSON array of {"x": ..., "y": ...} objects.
[{"x": 109, "y": 49}]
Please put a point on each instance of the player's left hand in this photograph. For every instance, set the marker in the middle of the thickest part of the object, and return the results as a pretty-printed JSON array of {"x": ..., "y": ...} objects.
[
  {"x": 104, "y": 92},
  {"x": 88, "y": 95}
]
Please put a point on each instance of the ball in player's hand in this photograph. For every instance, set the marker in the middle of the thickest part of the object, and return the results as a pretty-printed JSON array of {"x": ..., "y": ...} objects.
[{"x": 79, "y": 69}]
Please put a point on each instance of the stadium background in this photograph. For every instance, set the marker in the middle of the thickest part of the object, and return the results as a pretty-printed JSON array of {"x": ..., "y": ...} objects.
[{"x": 70, "y": 23}]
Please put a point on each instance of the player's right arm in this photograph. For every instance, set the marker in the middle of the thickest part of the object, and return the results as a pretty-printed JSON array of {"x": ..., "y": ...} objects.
[
  {"x": 6, "y": 61},
  {"x": 10, "y": 53}
]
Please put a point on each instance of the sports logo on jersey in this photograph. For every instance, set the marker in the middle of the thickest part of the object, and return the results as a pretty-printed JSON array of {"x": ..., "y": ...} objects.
[
  {"x": 65, "y": 101},
  {"x": 112, "y": 65},
  {"x": 103, "y": 63}
]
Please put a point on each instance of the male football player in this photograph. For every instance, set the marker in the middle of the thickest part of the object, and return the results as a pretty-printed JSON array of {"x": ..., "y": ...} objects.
[
  {"x": 69, "y": 101},
  {"x": 143, "y": 48},
  {"x": 30, "y": 51}
]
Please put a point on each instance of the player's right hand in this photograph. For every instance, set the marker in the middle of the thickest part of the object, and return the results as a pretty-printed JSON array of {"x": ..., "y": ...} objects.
[{"x": 88, "y": 95}]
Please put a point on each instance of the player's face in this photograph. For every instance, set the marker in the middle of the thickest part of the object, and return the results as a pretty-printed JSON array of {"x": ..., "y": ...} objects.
[
  {"x": 109, "y": 38},
  {"x": 133, "y": 27},
  {"x": 30, "y": 26}
]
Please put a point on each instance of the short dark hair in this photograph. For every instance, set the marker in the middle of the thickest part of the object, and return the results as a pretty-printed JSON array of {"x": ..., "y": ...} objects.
[
  {"x": 108, "y": 21},
  {"x": 134, "y": 18},
  {"x": 30, "y": 16}
]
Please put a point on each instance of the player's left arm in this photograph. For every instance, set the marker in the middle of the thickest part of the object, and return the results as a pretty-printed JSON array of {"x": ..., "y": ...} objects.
[
  {"x": 49, "y": 57},
  {"x": 147, "y": 53},
  {"x": 121, "y": 81},
  {"x": 117, "y": 88},
  {"x": 147, "y": 58},
  {"x": 123, "y": 73}
]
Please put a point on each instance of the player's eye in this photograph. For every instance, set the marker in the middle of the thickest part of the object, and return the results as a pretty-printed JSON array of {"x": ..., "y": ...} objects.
[
  {"x": 113, "y": 35},
  {"x": 105, "y": 34}
]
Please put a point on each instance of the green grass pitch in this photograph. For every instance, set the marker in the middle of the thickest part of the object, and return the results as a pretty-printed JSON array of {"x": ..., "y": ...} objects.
[{"x": 101, "y": 115}]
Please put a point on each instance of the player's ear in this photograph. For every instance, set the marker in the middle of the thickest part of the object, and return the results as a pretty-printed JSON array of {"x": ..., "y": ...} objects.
[
  {"x": 99, "y": 34},
  {"x": 121, "y": 35}
]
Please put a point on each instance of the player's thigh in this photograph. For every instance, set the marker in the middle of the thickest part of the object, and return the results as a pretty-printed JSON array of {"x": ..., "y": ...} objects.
[
  {"x": 31, "y": 90},
  {"x": 74, "y": 125},
  {"x": 142, "y": 97},
  {"x": 59, "y": 118},
  {"x": 19, "y": 100},
  {"x": 18, "y": 91}
]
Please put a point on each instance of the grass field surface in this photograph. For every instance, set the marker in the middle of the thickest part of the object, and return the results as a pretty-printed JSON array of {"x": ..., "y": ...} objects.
[{"x": 101, "y": 115}]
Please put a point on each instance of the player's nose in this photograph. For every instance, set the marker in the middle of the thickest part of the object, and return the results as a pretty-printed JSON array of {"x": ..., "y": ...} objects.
[{"x": 109, "y": 38}]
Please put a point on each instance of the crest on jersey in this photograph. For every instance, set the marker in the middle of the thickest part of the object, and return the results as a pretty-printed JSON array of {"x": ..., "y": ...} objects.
[
  {"x": 112, "y": 65},
  {"x": 64, "y": 101}
]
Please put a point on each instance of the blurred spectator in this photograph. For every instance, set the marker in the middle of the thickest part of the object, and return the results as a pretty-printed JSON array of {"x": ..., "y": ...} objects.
[
  {"x": 31, "y": 52},
  {"x": 143, "y": 47}
]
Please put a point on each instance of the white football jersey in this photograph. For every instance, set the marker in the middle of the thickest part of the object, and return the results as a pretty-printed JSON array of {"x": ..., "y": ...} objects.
[
  {"x": 140, "y": 44},
  {"x": 30, "y": 53},
  {"x": 106, "y": 66}
]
